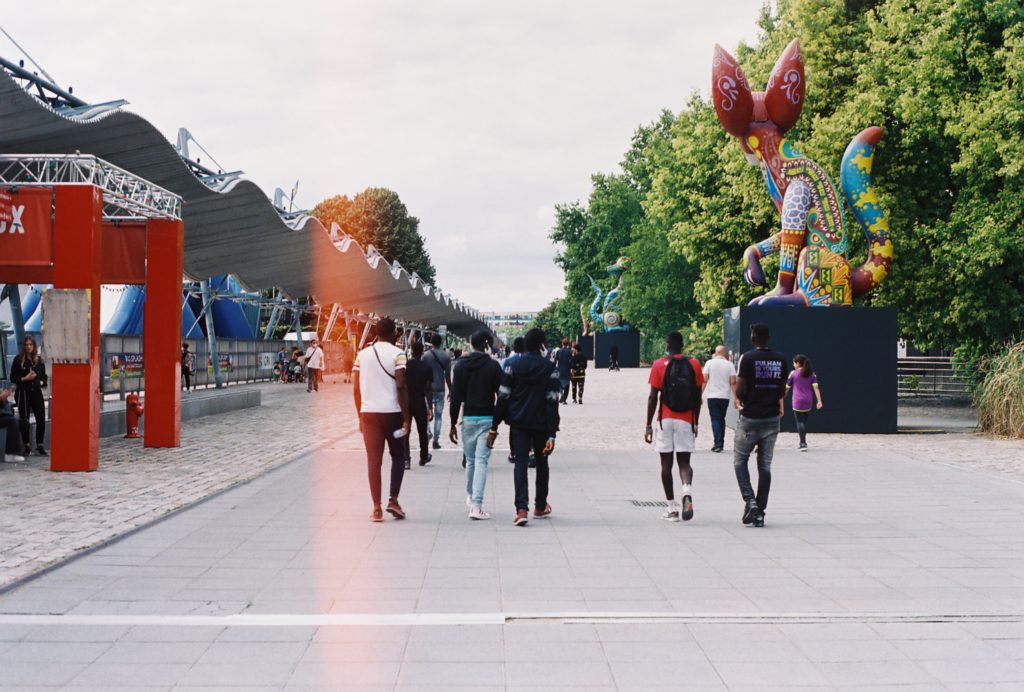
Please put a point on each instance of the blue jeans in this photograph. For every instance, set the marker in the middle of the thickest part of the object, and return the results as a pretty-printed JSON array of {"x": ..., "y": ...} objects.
[
  {"x": 762, "y": 433},
  {"x": 716, "y": 410},
  {"x": 474, "y": 444},
  {"x": 438, "y": 410}
]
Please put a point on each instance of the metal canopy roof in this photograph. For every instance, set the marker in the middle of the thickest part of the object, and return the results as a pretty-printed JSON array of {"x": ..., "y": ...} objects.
[{"x": 233, "y": 229}]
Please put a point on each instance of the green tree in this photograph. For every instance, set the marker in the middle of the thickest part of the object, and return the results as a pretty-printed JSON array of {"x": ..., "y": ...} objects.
[
  {"x": 377, "y": 216},
  {"x": 560, "y": 319}
]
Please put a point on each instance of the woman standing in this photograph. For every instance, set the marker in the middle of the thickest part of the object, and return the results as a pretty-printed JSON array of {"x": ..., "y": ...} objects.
[
  {"x": 29, "y": 374},
  {"x": 186, "y": 367},
  {"x": 804, "y": 384}
]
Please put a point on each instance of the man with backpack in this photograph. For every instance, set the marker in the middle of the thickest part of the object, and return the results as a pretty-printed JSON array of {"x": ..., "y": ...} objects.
[{"x": 678, "y": 382}]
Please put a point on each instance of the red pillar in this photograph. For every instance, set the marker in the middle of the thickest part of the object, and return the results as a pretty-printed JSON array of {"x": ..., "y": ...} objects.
[
  {"x": 75, "y": 403},
  {"x": 161, "y": 332}
]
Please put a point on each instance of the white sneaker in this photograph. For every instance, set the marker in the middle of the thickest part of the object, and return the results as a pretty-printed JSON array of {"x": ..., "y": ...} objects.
[
  {"x": 13, "y": 457},
  {"x": 478, "y": 514},
  {"x": 469, "y": 502},
  {"x": 672, "y": 513}
]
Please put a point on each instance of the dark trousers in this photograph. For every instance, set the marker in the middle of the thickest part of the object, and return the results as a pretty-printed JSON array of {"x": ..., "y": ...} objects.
[
  {"x": 378, "y": 430},
  {"x": 523, "y": 442},
  {"x": 716, "y": 410},
  {"x": 801, "y": 425},
  {"x": 750, "y": 433},
  {"x": 17, "y": 430},
  {"x": 419, "y": 415},
  {"x": 32, "y": 400},
  {"x": 577, "y": 388},
  {"x": 565, "y": 389},
  {"x": 312, "y": 379},
  {"x": 186, "y": 378}
]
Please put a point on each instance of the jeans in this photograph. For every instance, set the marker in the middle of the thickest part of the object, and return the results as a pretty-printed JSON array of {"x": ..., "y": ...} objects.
[
  {"x": 717, "y": 409},
  {"x": 751, "y": 432},
  {"x": 378, "y": 430},
  {"x": 418, "y": 412},
  {"x": 522, "y": 442},
  {"x": 474, "y": 445},
  {"x": 438, "y": 409},
  {"x": 564, "y": 384},
  {"x": 312, "y": 379}
]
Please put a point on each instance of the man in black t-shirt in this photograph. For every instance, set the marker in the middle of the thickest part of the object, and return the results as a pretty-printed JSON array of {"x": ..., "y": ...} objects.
[
  {"x": 419, "y": 378},
  {"x": 760, "y": 387}
]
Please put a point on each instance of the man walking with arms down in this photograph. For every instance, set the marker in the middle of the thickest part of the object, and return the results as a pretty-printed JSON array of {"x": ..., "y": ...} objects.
[
  {"x": 381, "y": 395},
  {"x": 721, "y": 379},
  {"x": 314, "y": 366},
  {"x": 677, "y": 381},
  {"x": 475, "y": 385},
  {"x": 441, "y": 365},
  {"x": 528, "y": 402},
  {"x": 760, "y": 388}
]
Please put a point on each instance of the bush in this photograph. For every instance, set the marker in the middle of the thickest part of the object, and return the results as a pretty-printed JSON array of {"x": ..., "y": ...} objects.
[{"x": 1000, "y": 397}]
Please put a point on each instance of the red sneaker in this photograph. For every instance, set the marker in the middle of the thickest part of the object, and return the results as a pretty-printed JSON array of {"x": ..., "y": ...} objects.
[
  {"x": 395, "y": 509},
  {"x": 521, "y": 518},
  {"x": 539, "y": 513},
  {"x": 378, "y": 514}
]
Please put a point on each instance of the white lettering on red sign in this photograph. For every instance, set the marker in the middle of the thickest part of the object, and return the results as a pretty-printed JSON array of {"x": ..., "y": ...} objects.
[{"x": 14, "y": 224}]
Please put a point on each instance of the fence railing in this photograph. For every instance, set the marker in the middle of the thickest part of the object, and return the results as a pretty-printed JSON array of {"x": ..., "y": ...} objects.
[{"x": 930, "y": 376}]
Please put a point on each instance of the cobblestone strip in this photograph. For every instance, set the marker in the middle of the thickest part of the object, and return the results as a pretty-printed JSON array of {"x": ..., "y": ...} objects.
[{"x": 47, "y": 517}]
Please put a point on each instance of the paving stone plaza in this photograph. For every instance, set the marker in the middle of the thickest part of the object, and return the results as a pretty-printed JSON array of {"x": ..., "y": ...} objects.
[{"x": 886, "y": 562}]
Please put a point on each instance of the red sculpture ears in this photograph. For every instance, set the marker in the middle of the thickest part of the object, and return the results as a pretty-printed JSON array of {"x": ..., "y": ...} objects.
[
  {"x": 784, "y": 97},
  {"x": 730, "y": 92}
]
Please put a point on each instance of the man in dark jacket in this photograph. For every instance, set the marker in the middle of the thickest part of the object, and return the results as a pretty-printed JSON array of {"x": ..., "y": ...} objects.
[
  {"x": 528, "y": 402},
  {"x": 563, "y": 361},
  {"x": 419, "y": 379},
  {"x": 579, "y": 373},
  {"x": 475, "y": 384}
]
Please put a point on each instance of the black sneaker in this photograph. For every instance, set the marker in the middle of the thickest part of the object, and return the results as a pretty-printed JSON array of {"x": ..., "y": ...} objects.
[
  {"x": 426, "y": 460},
  {"x": 436, "y": 445},
  {"x": 41, "y": 451},
  {"x": 750, "y": 511},
  {"x": 408, "y": 464},
  {"x": 511, "y": 459},
  {"x": 759, "y": 518}
]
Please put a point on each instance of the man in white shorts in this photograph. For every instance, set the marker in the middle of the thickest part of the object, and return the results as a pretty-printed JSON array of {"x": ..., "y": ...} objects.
[{"x": 677, "y": 384}]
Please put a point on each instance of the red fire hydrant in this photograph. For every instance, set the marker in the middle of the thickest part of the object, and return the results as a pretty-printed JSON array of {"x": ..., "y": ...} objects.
[{"x": 133, "y": 411}]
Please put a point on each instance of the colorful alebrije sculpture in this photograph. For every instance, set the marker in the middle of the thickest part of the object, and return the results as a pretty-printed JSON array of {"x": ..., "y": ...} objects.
[
  {"x": 609, "y": 313},
  {"x": 813, "y": 269}
]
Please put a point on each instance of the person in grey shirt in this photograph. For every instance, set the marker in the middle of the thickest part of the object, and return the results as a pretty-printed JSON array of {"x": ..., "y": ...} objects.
[{"x": 441, "y": 366}]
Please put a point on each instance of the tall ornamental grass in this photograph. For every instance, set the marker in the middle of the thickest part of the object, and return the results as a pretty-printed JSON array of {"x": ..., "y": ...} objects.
[{"x": 1000, "y": 397}]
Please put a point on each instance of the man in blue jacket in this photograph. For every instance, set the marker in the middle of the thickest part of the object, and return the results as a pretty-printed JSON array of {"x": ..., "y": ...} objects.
[{"x": 528, "y": 402}]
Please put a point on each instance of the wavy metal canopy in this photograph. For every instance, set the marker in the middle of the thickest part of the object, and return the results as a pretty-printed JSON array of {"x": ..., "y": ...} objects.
[{"x": 231, "y": 227}]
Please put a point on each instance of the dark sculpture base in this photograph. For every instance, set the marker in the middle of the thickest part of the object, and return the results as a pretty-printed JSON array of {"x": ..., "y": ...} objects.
[
  {"x": 629, "y": 348},
  {"x": 586, "y": 342},
  {"x": 854, "y": 355}
]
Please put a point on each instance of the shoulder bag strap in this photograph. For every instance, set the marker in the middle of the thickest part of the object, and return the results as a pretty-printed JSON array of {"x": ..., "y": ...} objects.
[{"x": 374, "y": 349}]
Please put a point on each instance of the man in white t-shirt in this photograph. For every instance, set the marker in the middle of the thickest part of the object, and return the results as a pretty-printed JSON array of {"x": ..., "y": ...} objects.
[
  {"x": 720, "y": 376},
  {"x": 381, "y": 396},
  {"x": 314, "y": 366}
]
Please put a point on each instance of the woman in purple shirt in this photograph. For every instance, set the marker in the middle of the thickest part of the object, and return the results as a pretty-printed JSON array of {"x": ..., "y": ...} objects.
[{"x": 804, "y": 384}]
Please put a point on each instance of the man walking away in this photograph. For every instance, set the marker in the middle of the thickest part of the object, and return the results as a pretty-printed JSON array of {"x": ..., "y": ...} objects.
[
  {"x": 563, "y": 361},
  {"x": 760, "y": 388},
  {"x": 579, "y": 373},
  {"x": 613, "y": 357},
  {"x": 314, "y": 366},
  {"x": 441, "y": 366},
  {"x": 381, "y": 393},
  {"x": 420, "y": 381},
  {"x": 678, "y": 382},
  {"x": 518, "y": 348},
  {"x": 721, "y": 381},
  {"x": 528, "y": 402},
  {"x": 475, "y": 384}
]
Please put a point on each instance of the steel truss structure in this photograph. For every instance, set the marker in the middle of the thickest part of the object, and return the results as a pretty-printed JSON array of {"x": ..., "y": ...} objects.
[{"x": 125, "y": 195}]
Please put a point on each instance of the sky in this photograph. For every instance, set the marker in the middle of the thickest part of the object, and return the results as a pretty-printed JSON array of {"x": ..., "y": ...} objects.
[{"x": 481, "y": 115}]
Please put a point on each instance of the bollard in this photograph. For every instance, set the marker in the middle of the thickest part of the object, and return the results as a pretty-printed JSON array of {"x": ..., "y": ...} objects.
[{"x": 133, "y": 411}]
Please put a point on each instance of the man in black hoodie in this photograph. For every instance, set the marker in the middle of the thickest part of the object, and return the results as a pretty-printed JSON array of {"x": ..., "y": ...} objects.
[
  {"x": 528, "y": 402},
  {"x": 475, "y": 384}
]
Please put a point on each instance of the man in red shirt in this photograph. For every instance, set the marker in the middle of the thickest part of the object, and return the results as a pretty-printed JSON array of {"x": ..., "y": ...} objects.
[{"x": 678, "y": 382}]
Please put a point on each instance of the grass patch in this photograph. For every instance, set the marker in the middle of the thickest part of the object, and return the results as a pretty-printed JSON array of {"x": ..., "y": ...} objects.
[{"x": 999, "y": 398}]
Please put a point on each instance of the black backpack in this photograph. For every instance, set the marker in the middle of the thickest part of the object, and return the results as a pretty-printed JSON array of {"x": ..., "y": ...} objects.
[{"x": 679, "y": 389}]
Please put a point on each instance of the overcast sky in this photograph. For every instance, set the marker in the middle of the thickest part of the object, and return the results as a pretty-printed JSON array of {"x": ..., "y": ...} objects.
[{"x": 481, "y": 115}]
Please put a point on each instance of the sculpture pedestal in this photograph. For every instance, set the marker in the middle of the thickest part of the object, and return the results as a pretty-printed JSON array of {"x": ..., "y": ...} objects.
[
  {"x": 853, "y": 351},
  {"x": 629, "y": 348},
  {"x": 586, "y": 342}
]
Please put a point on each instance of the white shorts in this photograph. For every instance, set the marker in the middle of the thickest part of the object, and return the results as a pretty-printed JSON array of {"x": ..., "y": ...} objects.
[{"x": 671, "y": 435}]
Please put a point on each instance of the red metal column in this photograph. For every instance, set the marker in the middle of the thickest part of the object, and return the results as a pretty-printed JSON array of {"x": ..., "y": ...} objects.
[
  {"x": 75, "y": 403},
  {"x": 161, "y": 332}
]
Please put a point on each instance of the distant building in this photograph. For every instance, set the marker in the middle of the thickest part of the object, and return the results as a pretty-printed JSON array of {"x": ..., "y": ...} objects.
[{"x": 500, "y": 321}]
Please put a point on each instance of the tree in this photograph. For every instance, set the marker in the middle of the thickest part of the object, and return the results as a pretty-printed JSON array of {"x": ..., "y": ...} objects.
[
  {"x": 560, "y": 319},
  {"x": 377, "y": 216}
]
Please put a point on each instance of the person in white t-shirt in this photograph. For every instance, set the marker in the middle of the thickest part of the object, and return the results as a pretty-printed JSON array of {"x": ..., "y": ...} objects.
[
  {"x": 381, "y": 396},
  {"x": 314, "y": 366},
  {"x": 720, "y": 376}
]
